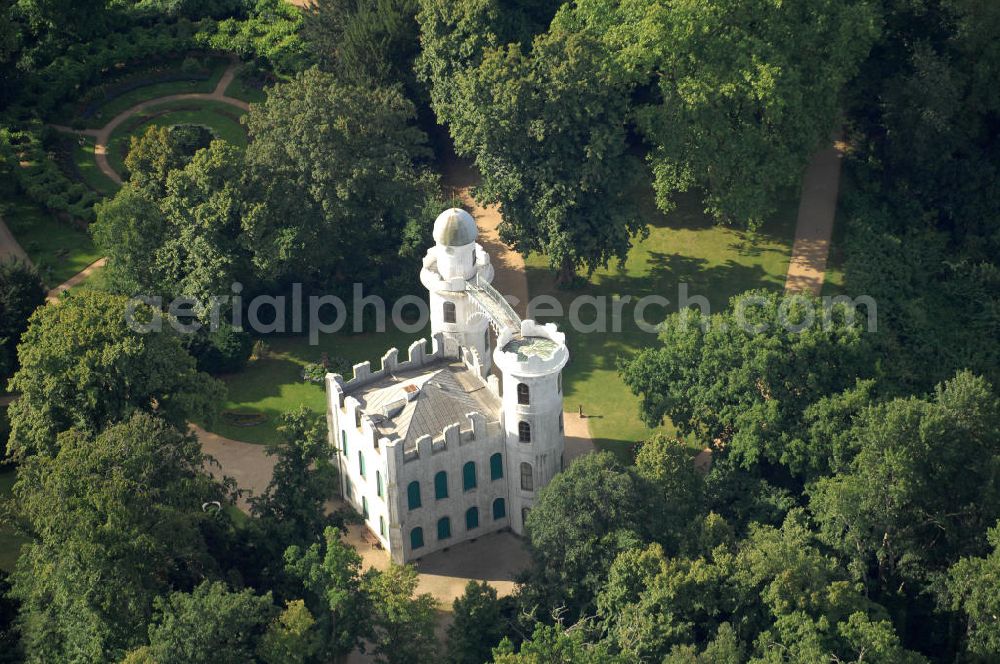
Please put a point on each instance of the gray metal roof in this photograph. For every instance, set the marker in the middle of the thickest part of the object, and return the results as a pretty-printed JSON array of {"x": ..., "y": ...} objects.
[{"x": 446, "y": 392}]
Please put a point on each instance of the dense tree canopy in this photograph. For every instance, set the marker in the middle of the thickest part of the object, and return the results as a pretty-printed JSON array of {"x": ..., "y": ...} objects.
[
  {"x": 83, "y": 366},
  {"x": 21, "y": 292},
  {"x": 337, "y": 193},
  {"x": 741, "y": 379},
  {"x": 114, "y": 520}
]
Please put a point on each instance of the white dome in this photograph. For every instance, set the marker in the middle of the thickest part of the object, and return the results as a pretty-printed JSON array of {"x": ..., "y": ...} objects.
[{"x": 455, "y": 228}]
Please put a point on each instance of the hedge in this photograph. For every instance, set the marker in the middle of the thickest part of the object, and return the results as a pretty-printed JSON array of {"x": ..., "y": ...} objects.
[
  {"x": 40, "y": 177},
  {"x": 270, "y": 35}
]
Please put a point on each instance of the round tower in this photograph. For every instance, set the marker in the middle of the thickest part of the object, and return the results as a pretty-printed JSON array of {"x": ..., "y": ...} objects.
[
  {"x": 451, "y": 265},
  {"x": 530, "y": 361}
]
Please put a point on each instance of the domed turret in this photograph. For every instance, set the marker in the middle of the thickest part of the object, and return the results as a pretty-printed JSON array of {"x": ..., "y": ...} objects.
[{"x": 455, "y": 228}]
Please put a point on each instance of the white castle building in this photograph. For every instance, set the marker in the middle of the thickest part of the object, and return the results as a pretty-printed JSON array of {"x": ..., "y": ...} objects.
[{"x": 456, "y": 440}]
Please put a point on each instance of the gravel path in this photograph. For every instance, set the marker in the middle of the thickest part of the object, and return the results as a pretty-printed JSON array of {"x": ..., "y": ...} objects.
[
  {"x": 814, "y": 228},
  {"x": 102, "y": 136}
]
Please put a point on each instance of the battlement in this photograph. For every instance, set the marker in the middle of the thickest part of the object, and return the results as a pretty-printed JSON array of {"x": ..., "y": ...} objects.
[
  {"x": 451, "y": 439},
  {"x": 418, "y": 356}
]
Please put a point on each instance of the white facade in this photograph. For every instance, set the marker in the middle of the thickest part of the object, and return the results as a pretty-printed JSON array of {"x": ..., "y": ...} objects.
[{"x": 437, "y": 449}]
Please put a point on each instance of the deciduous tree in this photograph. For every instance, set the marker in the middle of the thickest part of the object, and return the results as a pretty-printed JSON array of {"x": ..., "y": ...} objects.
[{"x": 84, "y": 366}]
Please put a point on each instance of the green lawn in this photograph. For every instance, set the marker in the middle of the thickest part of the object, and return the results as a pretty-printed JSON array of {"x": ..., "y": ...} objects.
[
  {"x": 240, "y": 90},
  {"x": 115, "y": 106},
  {"x": 10, "y": 543},
  {"x": 83, "y": 156},
  {"x": 58, "y": 249},
  {"x": 273, "y": 385},
  {"x": 219, "y": 117},
  {"x": 683, "y": 247}
]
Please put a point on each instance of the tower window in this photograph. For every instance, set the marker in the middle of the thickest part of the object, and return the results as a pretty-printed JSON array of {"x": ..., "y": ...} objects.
[
  {"x": 449, "y": 312},
  {"x": 472, "y": 518},
  {"x": 361, "y": 463},
  {"x": 524, "y": 432},
  {"x": 496, "y": 466},
  {"x": 527, "y": 478},
  {"x": 364, "y": 507},
  {"x": 499, "y": 509},
  {"x": 416, "y": 538},
  {"x": 381, "y": 525},
  {"x": 560, "y": 421},
  {"x": 343, "y": 440},
  {"x": 522, "y": 394},
  {"x": 378, "y": 483},
  {"x": 413, "y": 495}
]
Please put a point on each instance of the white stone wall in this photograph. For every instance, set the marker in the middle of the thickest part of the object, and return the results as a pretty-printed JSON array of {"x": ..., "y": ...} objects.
[{"x": 449, "y": 453}]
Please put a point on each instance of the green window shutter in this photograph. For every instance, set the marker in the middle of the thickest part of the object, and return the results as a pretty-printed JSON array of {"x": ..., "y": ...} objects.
[
  {"x": 413, "y": 495},
  {"x": 472, "y": 518},
  {"x": 496, "y": 466},
  {"x": 469, "y": 476},
  {"x": 416, "y": 538},
  {"x": 378, "y": 483},
  {"x": 499, "y": 509},
  {"x": 441, "y": 485},
  {"x": 343, "y": 440},
  {"x": 444, "y": 528},
  {"x": 361, "y": 463}
]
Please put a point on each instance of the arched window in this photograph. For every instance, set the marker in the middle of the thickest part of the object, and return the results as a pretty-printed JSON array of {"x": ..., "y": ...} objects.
[
  {"x": 364, "y": 507},
  {"x": 416, "y": 538},
  {"x": 496, "y": 466},
  {"x": 522, "y": 394},
  {"x": 527, "y": 480},
  {"x": 441, "y": 485},
  {"x": 449, "y": 311},
  {"x": 472, "y": 518},
  {"x": 499, "y": 509},
  {"x": 413, "y": 495},
  {"x": 486, "y": 340},
  {"x": 361, "y": 463},
  {"x": 343, "y": 441},
  {"x": 524, "y": 432},
  {"x": 444, "y": 528},
  {"x": 469, "y": 476},
  {"x": 378, "y": 483}
]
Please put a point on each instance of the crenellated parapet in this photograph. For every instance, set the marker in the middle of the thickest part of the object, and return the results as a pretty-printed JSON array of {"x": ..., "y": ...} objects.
[{"x": 452, "y": 440}]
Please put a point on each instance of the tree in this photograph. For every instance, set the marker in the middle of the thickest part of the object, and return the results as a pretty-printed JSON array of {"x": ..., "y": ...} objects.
[
  {"x": 115, "y": 520},
  {"x": 293, "y": 506},
  {"x": 291, "y": 638},
  {"x": 402, "y": 622},
  {"x": 211, "y": 624},
  {"x": 21, "y": 292},
  {"x": 184, "y": 241},
  {"x": 547, "y": 128},
  {"x": 336, "y": 188},
  {"x": 152, "y": 156},
  {"x": 673, "y": 490},
  {"x": 742, "y": 378},
  {"x": 554, "y": 643},
  {"x": 477, "y": 626},
  {"x": 580, "y": 521},
  {"x": 84, "y": 366},
  {"x": 912, "y": 504},
  {"x": 330, "y": 575},
  {"x": 972, "y": 589},
  {"x": 365, "y": 42},
  {"x": 735, "y": 97}
]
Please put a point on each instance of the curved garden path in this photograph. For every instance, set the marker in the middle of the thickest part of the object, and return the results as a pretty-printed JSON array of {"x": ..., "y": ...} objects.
[{"x": 102, "y": 136}]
